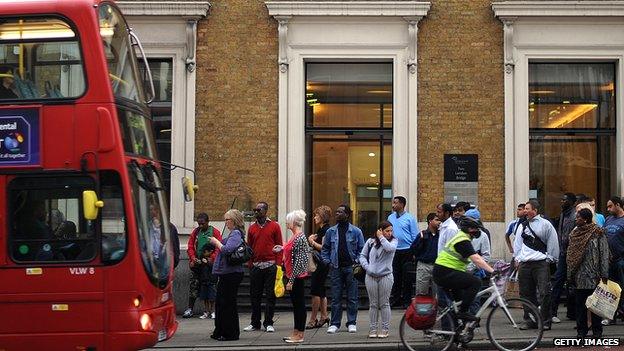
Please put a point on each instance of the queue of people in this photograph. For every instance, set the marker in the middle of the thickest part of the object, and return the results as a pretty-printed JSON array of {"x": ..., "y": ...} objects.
[{"x": 448, "y": 259}]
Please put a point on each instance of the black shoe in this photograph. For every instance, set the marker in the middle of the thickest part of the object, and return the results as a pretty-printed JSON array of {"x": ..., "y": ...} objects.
[
  {"x": 547, "y": 326},
  {"x": 597, "y": 335},
  {"x": 527, "y": 326},
  {"x": 212, "y": 336},
  {"x": 467, "y": 317}
]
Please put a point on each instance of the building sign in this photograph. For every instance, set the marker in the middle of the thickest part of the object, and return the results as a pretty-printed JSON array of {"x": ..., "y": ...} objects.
[
  {"x": 461, "y": 178},
  {"x": 19, "y": 138}
]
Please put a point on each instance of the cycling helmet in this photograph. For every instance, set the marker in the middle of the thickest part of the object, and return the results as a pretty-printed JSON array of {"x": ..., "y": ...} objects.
[{"x": 466, "y": 223}]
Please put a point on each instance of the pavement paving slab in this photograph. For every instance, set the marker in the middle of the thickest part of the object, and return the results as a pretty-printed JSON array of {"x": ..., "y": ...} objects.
[{"x": 194, "y": 334}]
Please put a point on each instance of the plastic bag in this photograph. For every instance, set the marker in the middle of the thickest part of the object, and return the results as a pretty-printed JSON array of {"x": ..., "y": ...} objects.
[
  {"x": 279, "y": 282},
  {"x": 605, "y": 299}
]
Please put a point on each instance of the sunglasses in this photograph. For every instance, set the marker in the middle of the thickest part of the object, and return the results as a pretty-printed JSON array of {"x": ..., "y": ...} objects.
[{"x": 257, "y": 210}]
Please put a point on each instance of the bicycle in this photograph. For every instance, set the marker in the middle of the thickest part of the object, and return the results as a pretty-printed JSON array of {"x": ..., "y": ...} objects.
[{"x": 505, "y": 335}]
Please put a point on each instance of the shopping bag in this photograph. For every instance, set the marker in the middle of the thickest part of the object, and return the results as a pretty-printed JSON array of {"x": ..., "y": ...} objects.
[
  {"x": 279, "y": 283},
  {"x": 605, "y": 299}
]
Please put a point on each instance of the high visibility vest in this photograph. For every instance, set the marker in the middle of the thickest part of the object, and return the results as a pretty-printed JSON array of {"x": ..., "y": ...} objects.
[{"x": 449, "y": 257}]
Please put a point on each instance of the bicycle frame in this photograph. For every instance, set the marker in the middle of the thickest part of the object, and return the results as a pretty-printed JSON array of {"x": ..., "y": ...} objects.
[{"x": 495, "y": 295}]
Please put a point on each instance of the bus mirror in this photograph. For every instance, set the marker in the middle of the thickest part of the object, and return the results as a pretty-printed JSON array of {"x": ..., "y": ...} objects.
[
  {"x": 91, "y": 204},
  {"x": 188, "y": 188}
]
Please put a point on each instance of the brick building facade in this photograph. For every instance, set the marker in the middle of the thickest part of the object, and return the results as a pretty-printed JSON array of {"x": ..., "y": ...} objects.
[{"x": 463, "y": 81}]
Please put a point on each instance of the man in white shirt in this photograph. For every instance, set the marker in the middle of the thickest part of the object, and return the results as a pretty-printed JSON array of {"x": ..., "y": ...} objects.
[
  {"x": 535, "y": 248},
  {"x": 448, "y": 228}
]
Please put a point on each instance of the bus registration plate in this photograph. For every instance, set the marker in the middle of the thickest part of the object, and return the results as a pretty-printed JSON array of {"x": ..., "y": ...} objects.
[{"x": 162, "y": 335}]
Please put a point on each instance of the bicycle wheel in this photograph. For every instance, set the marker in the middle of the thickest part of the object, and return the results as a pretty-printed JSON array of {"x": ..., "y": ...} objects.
[
  {"x": 440, "y": 337},
  {"x": 504, "y": 329}
]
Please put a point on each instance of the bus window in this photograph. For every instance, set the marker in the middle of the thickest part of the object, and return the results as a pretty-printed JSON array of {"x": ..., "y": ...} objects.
[
  {"x": 46, "y": 222},
  {"x": 136, "y": 133},
  {"x": 39, "y": 59},
  {"x": 152, "y": 222},
  {"x": 114, "y": 239},
  {"x": 122, "y": 69}
]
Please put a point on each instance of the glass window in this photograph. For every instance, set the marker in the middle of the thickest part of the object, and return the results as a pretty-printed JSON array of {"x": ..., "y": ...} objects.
[
  {"x": 572, "y": 132},
  {"x": 162, "y": 73},
  {"x": 39, "y": 59},
  {"x": 349, "y": 139},
  {"x": 114, "y": 237},
  {"x": 136, "y": 132},
  {"x": 122, "y": 68},
  {"x": 152, "y": 222},
  {"x": 46, "y": 221}
]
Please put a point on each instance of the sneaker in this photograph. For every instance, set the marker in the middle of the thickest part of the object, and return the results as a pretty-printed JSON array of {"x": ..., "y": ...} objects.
[
  {"x": 188, "y": 313},
  {"x": 250, "y": 328},
  {"x": 384, "y": 334},
  {"x": 352, "y": 328},
  {"x": 212, "y": 315},
  {"x": 372, "y": 333},
  {"x": 556, "y": 320},
  {"x": 270, "y": 329},
  {"x": 527, "y": 326},
  {"x": 332, "y": 329},
  {"x": 204, "y": 315}
]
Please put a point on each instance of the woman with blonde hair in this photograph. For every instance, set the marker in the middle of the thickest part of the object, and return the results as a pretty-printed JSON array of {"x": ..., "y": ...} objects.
[
  {"x": 230, "y": 276},
  {"x": 322, "y": 215},
  {"x": 296, "y": 270}
]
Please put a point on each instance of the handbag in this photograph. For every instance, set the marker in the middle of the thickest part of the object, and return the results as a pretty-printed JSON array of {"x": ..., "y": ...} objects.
[
  {"x": 359, "y": 272},
  {"x": 242, "y": 254},
  {"x": 311, "y": 264}
]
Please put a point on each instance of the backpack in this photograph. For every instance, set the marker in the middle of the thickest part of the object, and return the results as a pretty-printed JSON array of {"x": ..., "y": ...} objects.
[{"x": 421, "y": 313}]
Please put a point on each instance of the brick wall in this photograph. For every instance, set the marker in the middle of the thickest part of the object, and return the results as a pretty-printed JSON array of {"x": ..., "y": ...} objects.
[
  {"x": 236, "y": 128},
  {"x": 461, "y": 100}
]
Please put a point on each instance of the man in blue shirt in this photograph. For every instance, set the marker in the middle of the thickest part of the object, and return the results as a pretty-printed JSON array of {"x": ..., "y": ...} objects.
[
  {"x": 405, "y": 229},
  {"x": 513, "y": 226}
]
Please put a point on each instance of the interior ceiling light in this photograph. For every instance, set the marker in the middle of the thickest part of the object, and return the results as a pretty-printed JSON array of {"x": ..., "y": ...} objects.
[
  {"x": 372, "y": 175},
  {"x": 371, "y": 154},
  {"x": 378, "y": 91},
  {"x": 570, "y": 115},
  {"x": 541, "y": 92}
]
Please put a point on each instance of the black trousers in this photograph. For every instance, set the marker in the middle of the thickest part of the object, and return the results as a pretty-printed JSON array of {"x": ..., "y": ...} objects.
[
  {"x": 226, "y": 309},
  {"x": 581, "y": 314},
  {"x": 262, "y": 281},
  {"x": 534, "y": 284},
  {"x": 463, "y": 286},
  {"x": 404, "y": 274},
  {"x": 297, "y": 297}
]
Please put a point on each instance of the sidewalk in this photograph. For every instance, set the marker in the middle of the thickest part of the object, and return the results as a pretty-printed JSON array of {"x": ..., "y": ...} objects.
[{"x": 193, "y": 334}]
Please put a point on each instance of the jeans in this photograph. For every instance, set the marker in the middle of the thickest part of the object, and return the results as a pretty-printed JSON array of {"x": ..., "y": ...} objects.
[
  {"x": 534, "y": 284},
  {"x": 342, "y": 279},
  {"x": 262, "y": 281},
  {"x": 558, "y": 285},
  {"x": 403, "y": 272}
]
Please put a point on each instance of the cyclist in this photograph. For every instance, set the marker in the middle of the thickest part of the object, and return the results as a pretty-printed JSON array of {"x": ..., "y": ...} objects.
[{"x": 449, "y": 270}]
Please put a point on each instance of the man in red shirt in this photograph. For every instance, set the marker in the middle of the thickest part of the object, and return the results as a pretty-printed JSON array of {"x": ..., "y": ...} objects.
[
  {"x": 199, "y": 237},
  {"x": 262, "y": 236}
]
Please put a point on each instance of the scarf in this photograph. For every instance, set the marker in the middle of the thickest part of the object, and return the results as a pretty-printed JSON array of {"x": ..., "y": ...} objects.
[{"x": 579, "y": 238}]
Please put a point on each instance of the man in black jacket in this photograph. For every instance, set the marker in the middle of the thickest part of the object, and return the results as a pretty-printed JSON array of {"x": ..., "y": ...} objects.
[
  {"x": 566, "y": 223},
  {"x": 425, "y": 251}
]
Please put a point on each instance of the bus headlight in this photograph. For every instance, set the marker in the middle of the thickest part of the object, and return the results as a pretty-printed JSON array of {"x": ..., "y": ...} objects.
[{"x": 146, "y": 322}]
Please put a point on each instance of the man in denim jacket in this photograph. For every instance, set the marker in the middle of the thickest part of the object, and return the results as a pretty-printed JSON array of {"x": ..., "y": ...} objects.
[{"x": 341, "y": 249}]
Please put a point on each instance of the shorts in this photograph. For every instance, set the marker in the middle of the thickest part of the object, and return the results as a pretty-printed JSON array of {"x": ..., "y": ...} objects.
[{"x": 208, "y": 292}]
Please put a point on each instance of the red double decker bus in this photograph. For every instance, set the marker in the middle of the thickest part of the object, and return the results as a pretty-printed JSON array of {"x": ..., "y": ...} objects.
[{"x": 85, "y": 252}]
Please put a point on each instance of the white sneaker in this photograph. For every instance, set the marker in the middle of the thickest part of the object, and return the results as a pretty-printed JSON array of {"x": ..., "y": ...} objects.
[
  {"x": 352, "y": 328},
  {"x": 555, "y": 319},
  {"x": 188, "y": 313},
  {"x": 332, "y": 329},
  {"x": 249, "y": 328},
  {"x": 204, "y": 315},
  {"x": 270, "y": 329},
  {"x": 606, "y": 321},
  {"x": 212, "y": 315}
]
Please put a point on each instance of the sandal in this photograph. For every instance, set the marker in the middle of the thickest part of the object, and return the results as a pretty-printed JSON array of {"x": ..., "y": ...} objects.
[{"x": 312, "y": 324}]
